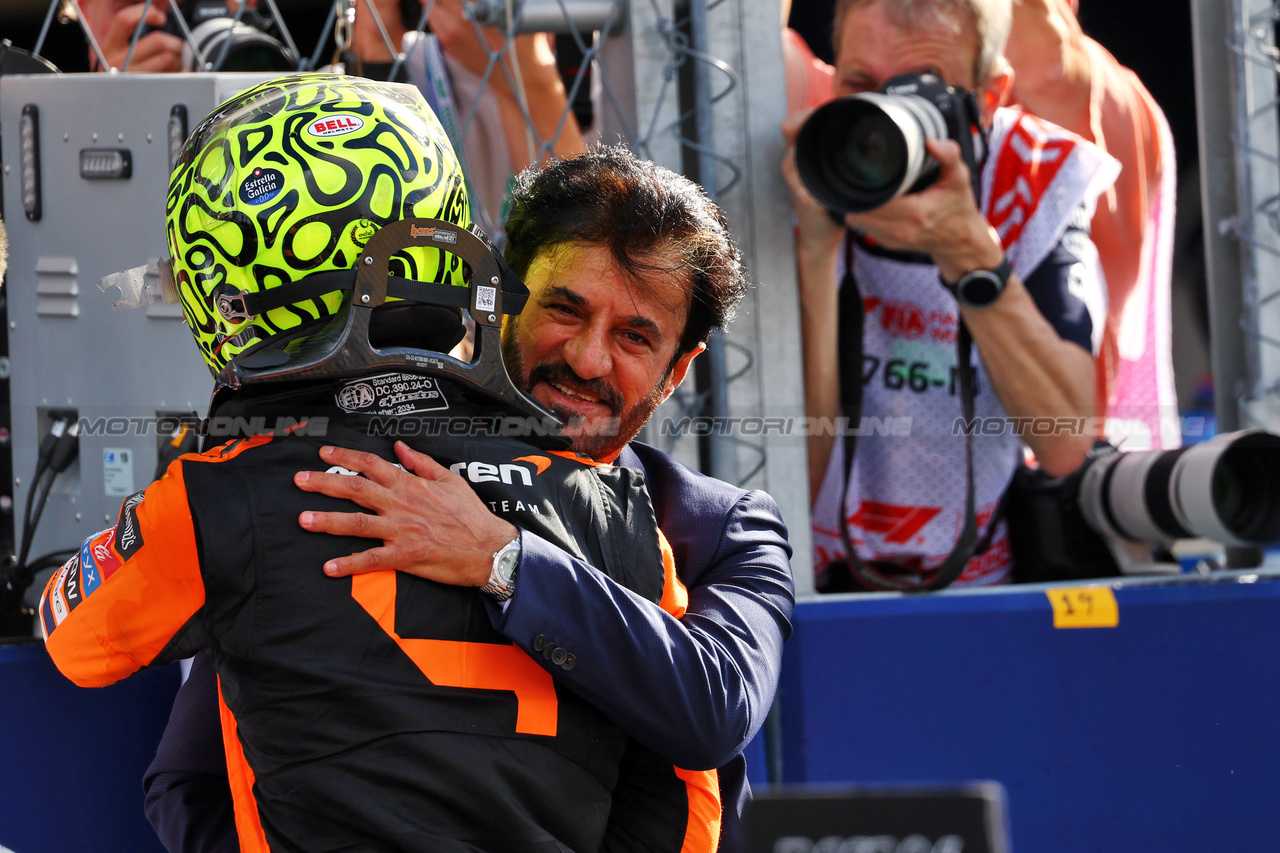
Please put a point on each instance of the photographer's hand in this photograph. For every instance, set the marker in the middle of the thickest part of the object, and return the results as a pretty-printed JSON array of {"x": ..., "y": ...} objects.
[
  {"x": 818, "y": 234},
  {"x": 942, "y": 221},
  {"x": 157, "y": 52},
  {"x": 431, "y": 525}
]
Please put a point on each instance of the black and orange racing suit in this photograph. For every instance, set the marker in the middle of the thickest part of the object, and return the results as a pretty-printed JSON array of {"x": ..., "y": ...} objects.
[{"x": 380, "y": 711}]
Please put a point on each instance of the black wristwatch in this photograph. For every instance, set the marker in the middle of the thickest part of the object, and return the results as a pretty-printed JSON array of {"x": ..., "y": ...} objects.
[{"x": 980, "y": 288}]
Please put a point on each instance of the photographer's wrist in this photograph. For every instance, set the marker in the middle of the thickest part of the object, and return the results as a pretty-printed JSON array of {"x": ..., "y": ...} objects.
[
  {"x": 818, "y": 248},
  {"x": 985, "y": 252}
]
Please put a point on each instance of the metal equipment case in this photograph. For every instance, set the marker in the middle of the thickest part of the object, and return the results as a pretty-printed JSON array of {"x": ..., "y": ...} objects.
[{"x": 69, "y": 352}]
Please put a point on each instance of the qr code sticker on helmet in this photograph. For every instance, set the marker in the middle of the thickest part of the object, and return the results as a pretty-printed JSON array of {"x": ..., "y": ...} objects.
[{"x": 486, "y": 298}]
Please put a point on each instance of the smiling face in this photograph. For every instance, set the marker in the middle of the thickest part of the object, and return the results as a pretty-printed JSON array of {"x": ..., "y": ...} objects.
[{"x": 595, "y": 347}]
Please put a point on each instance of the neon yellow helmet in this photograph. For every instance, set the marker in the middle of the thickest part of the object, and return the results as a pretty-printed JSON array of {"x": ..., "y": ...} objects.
[{"x": 292, "y": 178}]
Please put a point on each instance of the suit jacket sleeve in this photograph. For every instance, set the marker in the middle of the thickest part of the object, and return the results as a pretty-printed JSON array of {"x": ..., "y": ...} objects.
[
  {"x": 188, "y": 796},
  {"x": 696, "y": 689}
]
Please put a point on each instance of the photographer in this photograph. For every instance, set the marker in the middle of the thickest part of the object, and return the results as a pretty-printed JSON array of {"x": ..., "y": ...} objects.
[{"x": 904, "y": 502}]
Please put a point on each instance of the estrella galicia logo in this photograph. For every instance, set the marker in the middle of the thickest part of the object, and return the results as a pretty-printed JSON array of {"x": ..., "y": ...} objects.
[
  {"x": 261, "y": 186},
  {"x": 128, "y": 532}
]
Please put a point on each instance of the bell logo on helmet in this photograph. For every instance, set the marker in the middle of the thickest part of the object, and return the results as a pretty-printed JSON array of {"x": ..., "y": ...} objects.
[{"x": 336, "y": 126}]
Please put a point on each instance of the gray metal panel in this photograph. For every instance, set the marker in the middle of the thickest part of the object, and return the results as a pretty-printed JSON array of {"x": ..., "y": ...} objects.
[
  {"x": 1211, "y": 24},
  {"x": 67, "y": 347},
  {"x": 1257, "y": 128},
  {"x": 746, "y": 34},
  {"x": 641, "y": 103}
]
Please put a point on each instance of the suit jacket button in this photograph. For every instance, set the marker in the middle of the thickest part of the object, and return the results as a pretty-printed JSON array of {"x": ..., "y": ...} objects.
[
  {"x": 538, "y": 642},
  {"x": 569, "y": 663},
  {"x": 559, "y": 657}
]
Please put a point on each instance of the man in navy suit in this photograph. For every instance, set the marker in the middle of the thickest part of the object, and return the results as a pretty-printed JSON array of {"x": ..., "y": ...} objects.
[{"x": 629, "y": 269}]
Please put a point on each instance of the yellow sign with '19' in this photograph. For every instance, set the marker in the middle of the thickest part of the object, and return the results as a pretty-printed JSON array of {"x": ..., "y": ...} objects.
[{"x": 1084, "y": 607}]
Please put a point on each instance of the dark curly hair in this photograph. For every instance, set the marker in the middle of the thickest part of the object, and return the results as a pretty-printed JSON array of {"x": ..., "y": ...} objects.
[{"x": 652, "y": 220}]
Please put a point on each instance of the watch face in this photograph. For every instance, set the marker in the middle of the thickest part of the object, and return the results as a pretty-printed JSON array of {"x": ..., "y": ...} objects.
[
  {"x": 507, "y": 561},
  {"x": 980, "y": 288}
]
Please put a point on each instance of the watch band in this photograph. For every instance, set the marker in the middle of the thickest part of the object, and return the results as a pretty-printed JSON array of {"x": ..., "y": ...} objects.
[
  {"x": 502, "y": 574},
  {"x": 982, "y": 287}
]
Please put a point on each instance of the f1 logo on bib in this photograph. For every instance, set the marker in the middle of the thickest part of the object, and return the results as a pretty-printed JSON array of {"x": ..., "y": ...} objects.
[{"x": 336, "y": 126}]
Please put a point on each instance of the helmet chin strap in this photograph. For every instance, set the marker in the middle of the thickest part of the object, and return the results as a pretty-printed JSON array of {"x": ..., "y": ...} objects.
[{"x": 349, "y": 353}]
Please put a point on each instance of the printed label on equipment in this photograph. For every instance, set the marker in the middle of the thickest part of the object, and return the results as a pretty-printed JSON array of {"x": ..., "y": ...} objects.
[
  {"x": 391, "y": 394},
  {"x": 117, "y": 471}
]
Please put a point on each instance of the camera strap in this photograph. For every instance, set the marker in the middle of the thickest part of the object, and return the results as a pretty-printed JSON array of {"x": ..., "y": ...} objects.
[{"x": 852, "y": 317}]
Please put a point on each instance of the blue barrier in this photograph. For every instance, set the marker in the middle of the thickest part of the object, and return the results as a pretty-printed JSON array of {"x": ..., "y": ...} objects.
[
  {"x": 73, "y": 758},
  {"x": 1151, "y": 735}
]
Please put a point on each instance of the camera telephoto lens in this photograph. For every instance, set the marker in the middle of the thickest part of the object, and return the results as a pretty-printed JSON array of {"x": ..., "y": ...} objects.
[
  {"x": 247, "y": 48},
  {"x": 1226, "y": 489},
  {"x": 873, "y": 156},
  {"x": 856, "y": 153}
]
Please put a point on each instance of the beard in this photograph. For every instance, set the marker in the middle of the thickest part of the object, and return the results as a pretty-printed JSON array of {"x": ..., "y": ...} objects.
[{"x": 601, "y": 438}]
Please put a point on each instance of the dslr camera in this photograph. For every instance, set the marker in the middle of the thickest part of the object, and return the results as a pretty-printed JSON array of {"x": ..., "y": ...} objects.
[
  {"x": 216, "y": 41},
  {"x": 858, "y": 152}
]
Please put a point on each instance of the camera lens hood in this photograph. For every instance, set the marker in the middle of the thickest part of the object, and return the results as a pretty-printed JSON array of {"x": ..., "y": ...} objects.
[
  {"x": 1226, "y": 489},
  {"x": 858, "y": 152},
  {"x": 246, "y": 48}
]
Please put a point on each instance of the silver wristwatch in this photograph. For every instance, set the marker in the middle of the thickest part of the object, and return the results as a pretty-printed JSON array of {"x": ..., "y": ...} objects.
[{"x": 502, "y": 575}]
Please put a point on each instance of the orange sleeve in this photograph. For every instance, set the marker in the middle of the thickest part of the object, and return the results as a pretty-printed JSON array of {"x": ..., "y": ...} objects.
[
  {"x": 702, "y": 787},
  {"x": 675, "y": 597},
  {"x": 117, "y": 603},
  {"x": 240, "y": 777},
  {"x": 702, "y": 833}
]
